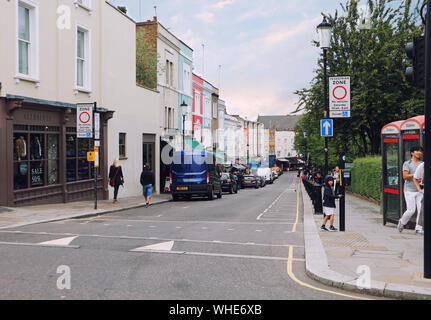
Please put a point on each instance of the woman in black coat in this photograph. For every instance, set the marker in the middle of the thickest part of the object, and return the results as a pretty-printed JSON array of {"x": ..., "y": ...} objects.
[{"x": 116, "y": 178}]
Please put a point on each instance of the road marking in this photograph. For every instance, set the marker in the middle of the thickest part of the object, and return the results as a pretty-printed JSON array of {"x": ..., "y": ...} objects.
[
  {"x": 37, "y": 245},
  {"x": 60, "y": 242},
  {"x": 272, "y": 204},
  {"x": 163, "y": 246},
  {"x": 293, "y": 277},
  {"x": 297, "y": 213}
]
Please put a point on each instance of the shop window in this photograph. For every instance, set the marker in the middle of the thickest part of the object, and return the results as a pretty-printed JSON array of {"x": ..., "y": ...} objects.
[
  {"x": 35, "y": 156},
  {"x": 77, "y": 166}
]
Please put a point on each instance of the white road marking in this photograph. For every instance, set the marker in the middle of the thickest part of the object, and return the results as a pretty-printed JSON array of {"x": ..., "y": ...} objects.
[
  {"x": 163, "y": 246},
  {"x": 60, "y": 242}
]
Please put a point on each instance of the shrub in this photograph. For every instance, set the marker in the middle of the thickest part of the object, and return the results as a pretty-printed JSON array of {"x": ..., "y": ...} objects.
[{"x": 366, "y": 177}]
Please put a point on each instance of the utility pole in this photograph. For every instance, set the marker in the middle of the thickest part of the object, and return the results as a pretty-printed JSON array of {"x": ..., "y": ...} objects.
[{"x": 427, "y": 147}]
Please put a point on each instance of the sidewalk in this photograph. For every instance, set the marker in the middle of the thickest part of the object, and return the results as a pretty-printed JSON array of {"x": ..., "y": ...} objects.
[
  {"x": 342, "y": 259},
  {"x": 17, "y": 217}
]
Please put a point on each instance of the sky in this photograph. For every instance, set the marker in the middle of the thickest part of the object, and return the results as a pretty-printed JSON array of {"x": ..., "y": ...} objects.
[{"x": 257, "y": 52}]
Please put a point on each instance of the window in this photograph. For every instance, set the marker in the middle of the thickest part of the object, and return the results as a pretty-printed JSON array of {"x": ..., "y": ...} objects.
[
  {"x": 27, "y": 41},
  {"x": 122, "y": 145},
  {"x": 215, "y": 109},
  {"x": 186, "y": 78},
  {"x": 83, "y": 59},
  {"x": 36, "y": 156},
  {"x": 169, "y": 73},
  {"x": 197, "y": 108},
  {"x": 77, "y": 166}
]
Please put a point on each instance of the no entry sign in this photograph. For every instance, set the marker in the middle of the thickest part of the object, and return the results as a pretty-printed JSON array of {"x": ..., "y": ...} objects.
[
  {"x": 339, "y": 97},
  {"x": 84, "y": 120}
]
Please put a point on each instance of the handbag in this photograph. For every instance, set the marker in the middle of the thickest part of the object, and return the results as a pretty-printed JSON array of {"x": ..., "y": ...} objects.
[{"x": 112, "y": 181}]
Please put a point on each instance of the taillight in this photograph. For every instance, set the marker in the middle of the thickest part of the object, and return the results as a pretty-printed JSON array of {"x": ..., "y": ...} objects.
[
  {"x": 208, "y": 178},
  {"x": 254, "y": 180},
  {"x": 170, "y": 178},
  {"x": 228, "y": 181}
]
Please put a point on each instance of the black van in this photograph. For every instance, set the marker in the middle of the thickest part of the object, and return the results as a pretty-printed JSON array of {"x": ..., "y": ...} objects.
[{"x": 195, "y": 174}]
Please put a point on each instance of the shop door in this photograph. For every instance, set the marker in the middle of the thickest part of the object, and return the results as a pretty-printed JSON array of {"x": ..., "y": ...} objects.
[{"x": 148, "y": 155}]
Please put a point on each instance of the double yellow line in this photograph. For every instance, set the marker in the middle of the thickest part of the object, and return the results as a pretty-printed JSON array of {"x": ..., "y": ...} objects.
[{"x": 290, "y": 260}]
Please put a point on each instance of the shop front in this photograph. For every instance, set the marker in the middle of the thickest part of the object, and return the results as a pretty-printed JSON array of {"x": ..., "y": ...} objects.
[{"x": 42, "y": 160}]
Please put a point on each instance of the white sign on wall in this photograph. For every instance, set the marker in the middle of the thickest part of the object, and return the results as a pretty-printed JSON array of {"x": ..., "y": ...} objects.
[{"x": 339, "y": 97}]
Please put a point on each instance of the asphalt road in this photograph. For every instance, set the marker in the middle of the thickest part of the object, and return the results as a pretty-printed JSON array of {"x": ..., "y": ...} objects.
[{"x": 245, "y": 246}]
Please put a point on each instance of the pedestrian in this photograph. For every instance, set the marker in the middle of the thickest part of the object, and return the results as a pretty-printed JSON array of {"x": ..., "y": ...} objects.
[
  {"x": 116, "y": 178},
  {"x": 147, "y": 182},
  {"x": 418, "y": 179},
  {"x": 412, "y": 196},
  {"x": 329, "y": 197},
  {"x": 336, "y": 176}
]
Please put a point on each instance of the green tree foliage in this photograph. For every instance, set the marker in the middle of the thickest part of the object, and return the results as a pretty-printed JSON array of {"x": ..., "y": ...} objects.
[
  {"x": 376, "y": 61},
  {"x": 146, "y": 60},
  {"x": 122, "y": 9}
]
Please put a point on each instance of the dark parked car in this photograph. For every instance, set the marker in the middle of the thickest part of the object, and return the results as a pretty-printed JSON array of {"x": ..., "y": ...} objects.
[
  {"x": 229, "y": 183},
  {"x": 261, "y": 181},
  {"x": 192, "y": 173},
  {"x": 250, "y": 181}
]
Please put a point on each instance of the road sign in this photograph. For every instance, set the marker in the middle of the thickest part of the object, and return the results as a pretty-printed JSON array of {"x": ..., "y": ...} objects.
[
  {"x": 339, "y": 96},
  {"x": 84, "y": 120},
  {"x": 96, "y": 125},
  {"x": 327, "y": 128},
  {"x": 91, "y": 156},
  {"x": 339, "y": 114}
]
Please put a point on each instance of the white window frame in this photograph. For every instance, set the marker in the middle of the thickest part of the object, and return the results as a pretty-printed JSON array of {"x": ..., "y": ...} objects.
[
  {"x": 33, "y": 51},
  {"x": 197, "y": 103},
  {"x": 187, "y": 83},
  {"x": 86, "y": 88}
]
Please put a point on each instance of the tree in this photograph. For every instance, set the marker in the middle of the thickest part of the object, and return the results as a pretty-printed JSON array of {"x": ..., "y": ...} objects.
[
  {"x": 375, "y": 60},
  {"x": 123, "y": 9}
]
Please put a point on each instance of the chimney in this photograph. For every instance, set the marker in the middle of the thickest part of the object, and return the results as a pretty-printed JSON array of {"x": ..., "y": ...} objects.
[{"x": 154, "y": 19}]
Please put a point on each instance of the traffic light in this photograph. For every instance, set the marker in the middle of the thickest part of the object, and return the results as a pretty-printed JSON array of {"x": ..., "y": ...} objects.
[
  {"x": 342, "y": 160},
  {"x": 416, "y": 51}
]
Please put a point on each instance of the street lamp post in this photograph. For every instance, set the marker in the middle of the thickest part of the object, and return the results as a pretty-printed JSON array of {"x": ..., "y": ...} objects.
[
  {"x": 184, "y": 107},
  {"x": 325, "y": 30}
]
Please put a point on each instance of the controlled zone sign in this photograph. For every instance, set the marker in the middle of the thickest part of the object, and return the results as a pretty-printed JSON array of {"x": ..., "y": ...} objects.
[
  {"x": 327, "y": 128},
  {"x": 339, "y": 97},
  {"x": 84, "y": 120}
]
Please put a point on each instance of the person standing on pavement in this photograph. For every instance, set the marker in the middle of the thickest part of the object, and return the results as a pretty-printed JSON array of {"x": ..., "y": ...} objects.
[
  {"x": 412, "y": 196},
  {"x": 336, "y": 176},
  {"x": 147, "y": 182},
  {"x": 116, "y": 178},
  {"x": 418, "y": 179},
  {"x": 329, "y": 197}
]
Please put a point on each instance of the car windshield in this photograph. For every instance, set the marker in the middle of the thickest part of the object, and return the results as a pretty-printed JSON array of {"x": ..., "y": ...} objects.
[{"x": 225, "y": 175}]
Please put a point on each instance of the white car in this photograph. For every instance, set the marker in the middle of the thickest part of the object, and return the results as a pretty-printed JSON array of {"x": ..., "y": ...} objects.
[{"x": 265, "y": 172}]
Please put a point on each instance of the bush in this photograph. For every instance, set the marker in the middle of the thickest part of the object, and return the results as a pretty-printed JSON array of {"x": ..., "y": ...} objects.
[{"x": 366, "y": 177}]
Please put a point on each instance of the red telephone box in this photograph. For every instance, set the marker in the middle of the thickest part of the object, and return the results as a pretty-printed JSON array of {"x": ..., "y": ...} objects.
[{"x": 392, "y": 196}]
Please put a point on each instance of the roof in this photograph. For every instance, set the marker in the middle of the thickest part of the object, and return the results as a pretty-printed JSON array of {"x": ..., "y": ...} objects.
[{"x": 279, "y": 123}]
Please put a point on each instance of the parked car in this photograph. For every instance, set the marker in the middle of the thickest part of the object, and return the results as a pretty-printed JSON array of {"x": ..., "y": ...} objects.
[
  {"x": 250, "y": 181},
  {"x": 229, "y": 182},
  {"x": 261, "y": 181},
  {"x": 274, "y": 174},
  {"x": 266, "y": 173},
  {"x": 192, "y": 173}
]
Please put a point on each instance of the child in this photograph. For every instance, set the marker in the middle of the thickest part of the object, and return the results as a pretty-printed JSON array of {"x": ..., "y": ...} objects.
[{"x": 329, "y": 203}]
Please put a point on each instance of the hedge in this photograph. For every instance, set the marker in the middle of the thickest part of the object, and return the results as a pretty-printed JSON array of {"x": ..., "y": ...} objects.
[{"x": 366, "y": 177}]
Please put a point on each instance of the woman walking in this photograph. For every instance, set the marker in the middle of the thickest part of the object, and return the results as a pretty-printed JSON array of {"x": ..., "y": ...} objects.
[
  {"x": 147, "y": 181},
  {"x": 116, "y": 178}
]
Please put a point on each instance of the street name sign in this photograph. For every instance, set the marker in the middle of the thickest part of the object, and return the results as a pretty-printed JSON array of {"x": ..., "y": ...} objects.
[
  {"x": 84, "y": 120},
  {"x": 339, "y": 97},
  {"x": 327, "y": 128}
]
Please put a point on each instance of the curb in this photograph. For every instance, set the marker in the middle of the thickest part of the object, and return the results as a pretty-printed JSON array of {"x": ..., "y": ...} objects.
[
  {"x": 317, "y": 267},
  {"x": 99, "y": 212}
]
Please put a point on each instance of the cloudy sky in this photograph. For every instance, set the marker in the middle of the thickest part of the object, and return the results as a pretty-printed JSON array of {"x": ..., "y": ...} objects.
[{"x": 263, "y": 46}]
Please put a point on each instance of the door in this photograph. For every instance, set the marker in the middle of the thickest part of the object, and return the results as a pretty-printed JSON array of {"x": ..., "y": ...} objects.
[
  {"x": 391, "y": 180},
  {"x": 148, "y": 155}
]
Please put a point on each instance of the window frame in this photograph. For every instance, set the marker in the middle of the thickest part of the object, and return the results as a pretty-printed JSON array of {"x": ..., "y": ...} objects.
[
  {"x": 87, "y": 66},
  {"x": 33, "y": 49},
  {"x": 120, "y": 155}
]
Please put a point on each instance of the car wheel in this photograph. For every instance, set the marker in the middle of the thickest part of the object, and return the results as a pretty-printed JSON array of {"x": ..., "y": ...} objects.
[
  {"x": 220, "y": 194},
  {"x": 236, "y": 189},
  {"x": 175, "y": 197},
  {"x": 231, "y": 190}
]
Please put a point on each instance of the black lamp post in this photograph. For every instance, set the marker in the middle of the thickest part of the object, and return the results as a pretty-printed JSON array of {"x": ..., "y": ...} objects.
[
  {"x": 325, "y": 30},
  {"x": 184, "y": 108}
]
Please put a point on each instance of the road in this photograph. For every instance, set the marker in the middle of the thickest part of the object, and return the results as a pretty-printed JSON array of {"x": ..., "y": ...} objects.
[{"x": 245, "y": 246}]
